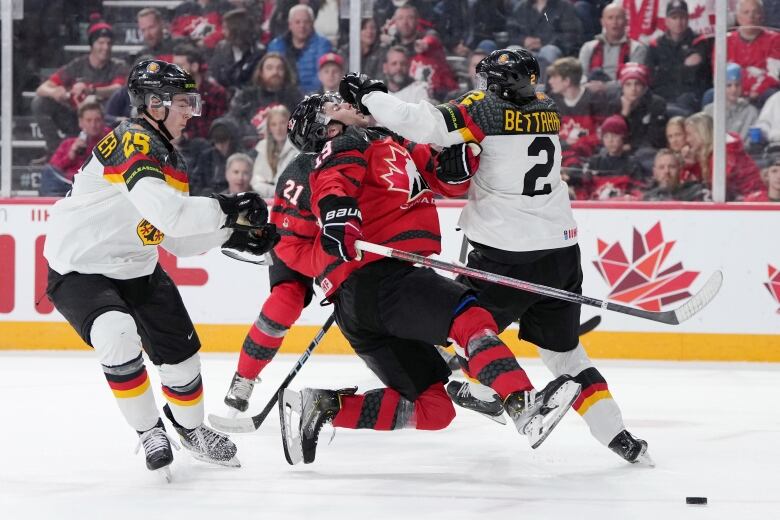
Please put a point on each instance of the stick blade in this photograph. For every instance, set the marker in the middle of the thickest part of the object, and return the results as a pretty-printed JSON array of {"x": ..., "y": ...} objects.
[
  {"x": 701, "y": 299},
  {"x": 232, "y": 424}
]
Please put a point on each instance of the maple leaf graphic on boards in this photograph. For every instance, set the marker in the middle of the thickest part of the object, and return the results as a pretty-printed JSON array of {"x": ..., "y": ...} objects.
[
  {"x": 773, "y": 284},
  {"x": 643, "y": 281}
]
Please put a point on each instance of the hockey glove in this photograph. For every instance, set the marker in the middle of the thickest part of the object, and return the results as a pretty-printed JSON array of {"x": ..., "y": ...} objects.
[
  {"x": 244, "y": 210},
  {"x": 256, "y": 242},
  {"x": 458, "y": 163},
  {"x": 341, "y": 221},
  {"x": 353, "y": 87}
]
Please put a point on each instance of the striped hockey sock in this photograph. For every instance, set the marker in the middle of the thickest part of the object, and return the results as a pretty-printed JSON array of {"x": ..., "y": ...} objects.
[
  {"x": 130, "y": 384},
  {"x": 596, "y": 405},
  {"x": 186, "y": 402}
]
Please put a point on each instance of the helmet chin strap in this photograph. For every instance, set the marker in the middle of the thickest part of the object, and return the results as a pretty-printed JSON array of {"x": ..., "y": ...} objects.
[{"x": 160, "y": 122}]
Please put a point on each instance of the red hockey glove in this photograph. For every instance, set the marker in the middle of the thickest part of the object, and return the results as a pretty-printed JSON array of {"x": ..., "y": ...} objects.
[
  {"x": 458, "y": 163},
  {"x": 341, "y": 221}
]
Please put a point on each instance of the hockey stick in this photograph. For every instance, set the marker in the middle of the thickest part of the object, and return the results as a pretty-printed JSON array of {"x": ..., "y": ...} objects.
[
  {"x": 589, "y": 325},
  {"x": 671, "y": 317},
  {"x": 250, "y": 424}
]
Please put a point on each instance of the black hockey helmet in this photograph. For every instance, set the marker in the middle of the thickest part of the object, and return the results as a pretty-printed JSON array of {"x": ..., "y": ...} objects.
[
  {"x": 308, "y": 125},
  {"x": 512, "y": 74}
]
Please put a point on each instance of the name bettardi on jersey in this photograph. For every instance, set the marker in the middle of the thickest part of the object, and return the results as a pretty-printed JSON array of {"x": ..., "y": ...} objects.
[
  {"x": 517, "y": 200},
  {"x": 99, "y": 228}
]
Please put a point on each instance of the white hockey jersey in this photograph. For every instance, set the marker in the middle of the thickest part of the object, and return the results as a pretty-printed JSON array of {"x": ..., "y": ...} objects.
[
  {"x": 517, "y": 200},
  {"x": 129, "y": 197}
]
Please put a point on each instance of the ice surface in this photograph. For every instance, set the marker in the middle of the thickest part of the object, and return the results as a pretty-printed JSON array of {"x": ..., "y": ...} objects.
[{"x": 712, "y": 427}]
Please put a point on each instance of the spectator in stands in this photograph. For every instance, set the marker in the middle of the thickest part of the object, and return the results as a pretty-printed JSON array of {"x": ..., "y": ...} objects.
[
  {"x": 678, "y": 61},
  {"x": 384, "y": 10},
  {"x": 157, "y": 43},
  {"x": 742, "y": 174},
  {"x": 675, "y": 134},
  {"x": 548, "y": 28},
  {"x": 666, "y": 184},
  {"x": 399, "y": 82},
  {"x": 582, "y": 110},
  {"x": 331, "y": 70},
  {"x": 326, "y": 20},
  {"x": 274, "y": 152},
  {"x": 428, "y": 59},
  {"x": 462, "y": 24},
  {"x": 238, "y": 173},
  {"x": 212, "y": 95},
  {"x": 612, "y": 173},
  {"x": 96, "y": 74},
  {"x": 208, "y": 175},
  {"x": 769, "y": 119},
  {"x": 236, "y": 57},
  {"x": 302, "y": 46},
  {"x": 279, "y": 19},
  {"x": 612, "y": 48},
  {"x": 740, "y": 114},
  {"x": 57, "y": 176},
  {"x": 273, "y": 83},
  {"x": 644, "y": 111},
  {"x": 770, "y": 176},
  {"x": 200, "y": 21},
  {"x": 371, "y": 52},
  {"x": 756, "y": 50}
]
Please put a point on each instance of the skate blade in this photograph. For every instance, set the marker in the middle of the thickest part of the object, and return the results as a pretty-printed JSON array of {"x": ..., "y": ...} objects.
[
  {"x": 165, "y": 474},
  {"x": 500, "y": 419},
  {"x": 542, "y": 425},
  {"x": 232, "y": 424},
  {"x": 290, "y": 407},
  {"x": 232, "y": 463},
  {"x": 645, "y": 459}
]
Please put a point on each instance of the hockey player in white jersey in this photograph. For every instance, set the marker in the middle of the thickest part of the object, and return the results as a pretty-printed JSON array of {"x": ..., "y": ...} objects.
[
  {"x": 518, "y": 216},
  {"x": 128, "y": 198}
]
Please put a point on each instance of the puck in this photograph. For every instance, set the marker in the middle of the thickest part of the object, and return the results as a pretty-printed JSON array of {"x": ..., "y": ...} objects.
[{"x": 696, "y": 500}]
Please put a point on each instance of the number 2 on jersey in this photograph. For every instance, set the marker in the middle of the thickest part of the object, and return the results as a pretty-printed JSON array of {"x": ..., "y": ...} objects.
[
  {"x": 535, "y": 149},
  {"x": 291, "y": 187}
]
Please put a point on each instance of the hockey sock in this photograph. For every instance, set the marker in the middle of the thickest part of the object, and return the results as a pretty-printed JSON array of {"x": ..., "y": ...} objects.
[
  {"x": 385, "y": 409},
  {"x": 183, "y": 389},
  {"x": 280, "y": 311},
  {"x": 596, "y": 405},
  {"x": 489, "y": 359},
  {"x": 130, "y": 384}
]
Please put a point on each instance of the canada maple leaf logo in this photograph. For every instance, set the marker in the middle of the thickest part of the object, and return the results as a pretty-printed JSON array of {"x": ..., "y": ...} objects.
[
  {"x": 643, "y": 281},
  {"x": 773, "y": 284},
  {"x": 402, "y": 174}
]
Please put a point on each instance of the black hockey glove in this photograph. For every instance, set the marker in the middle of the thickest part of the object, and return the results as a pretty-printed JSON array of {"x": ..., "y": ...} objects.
[
  {"x": 458, "y": 163},
  {"x": 256, "y": 242},
  {"x": 353, "y": 87},
  {"x": 244, "y": 210},
  {"x": 341, "y": 220}
]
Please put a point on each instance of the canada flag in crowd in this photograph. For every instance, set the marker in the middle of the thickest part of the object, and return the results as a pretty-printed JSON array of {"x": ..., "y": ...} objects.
[
  {"x": 643, "y": 281},
  {"x": 773, "y": 284}
]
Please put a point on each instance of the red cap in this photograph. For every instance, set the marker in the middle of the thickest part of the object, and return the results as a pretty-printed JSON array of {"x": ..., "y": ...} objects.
[
  {"x": 614, "y": 125},
  {"x": 330, "y": 57},
  {"x": 635, "y": 71}
]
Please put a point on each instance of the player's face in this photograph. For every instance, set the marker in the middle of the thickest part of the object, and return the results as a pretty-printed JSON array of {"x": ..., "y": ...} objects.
[
  {"x": 344, "y": 113},
  {"x": 151, "y": 30},
  {"x": 666, "y": 170},
  {"x": 675, "y": 137},
  {"x": 238, "y": 175}
]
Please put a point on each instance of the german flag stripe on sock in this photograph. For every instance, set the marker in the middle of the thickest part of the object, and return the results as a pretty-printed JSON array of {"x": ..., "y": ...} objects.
[
  {"x": 128, "y": 385},
  {"x": 189, "y": 395},
  {"x": 594, "y": 389}
]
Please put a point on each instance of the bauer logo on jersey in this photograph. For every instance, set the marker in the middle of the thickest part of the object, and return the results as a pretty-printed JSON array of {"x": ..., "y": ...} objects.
[
  {"x": 149, "y": 235},
  {"x": 402, "y": 175},
  {"x": 643, "y": 281}
]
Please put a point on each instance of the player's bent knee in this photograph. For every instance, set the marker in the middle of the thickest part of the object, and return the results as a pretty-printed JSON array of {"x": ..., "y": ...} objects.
[
  {"x": 572, "y": 362},
  {"x": 180, "y": 374},
  {"x": 114, "y": 336},
  {"x": 434, "y": 409}
]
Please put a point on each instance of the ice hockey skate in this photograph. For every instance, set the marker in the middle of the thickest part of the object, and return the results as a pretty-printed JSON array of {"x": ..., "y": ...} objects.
[
  {"x": 157, "y": 447},
  {"x": 302, "y": 415},
  {"x": 239, "y": 393},
  {"x": 536, "y": 413},
  {"x": 205, "y": 444},
  {"x": 632, "y": 449},
  {"x": 478, "y": 398}
]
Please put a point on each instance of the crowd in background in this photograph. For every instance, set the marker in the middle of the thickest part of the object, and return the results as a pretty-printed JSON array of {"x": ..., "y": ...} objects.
[{"x": 632, "y": 80}]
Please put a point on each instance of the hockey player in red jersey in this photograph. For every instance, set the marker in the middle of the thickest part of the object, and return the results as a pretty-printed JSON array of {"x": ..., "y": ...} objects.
[
  {"x": 518, "y": 216},
  {"x": 369, "y": 183}
]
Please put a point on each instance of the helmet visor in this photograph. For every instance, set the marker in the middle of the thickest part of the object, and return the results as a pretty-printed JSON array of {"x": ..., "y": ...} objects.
[
  {"x": 480, "y": 82},
  {"x": 187, "y": 103}
]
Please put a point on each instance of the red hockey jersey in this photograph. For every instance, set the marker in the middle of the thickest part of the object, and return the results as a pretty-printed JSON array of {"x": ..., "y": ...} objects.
[{"x": 394, "y": 182}]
